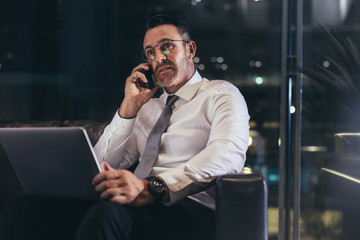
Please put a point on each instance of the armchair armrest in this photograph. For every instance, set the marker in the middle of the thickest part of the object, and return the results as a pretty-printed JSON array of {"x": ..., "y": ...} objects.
[{"x": 241, "y": 206}]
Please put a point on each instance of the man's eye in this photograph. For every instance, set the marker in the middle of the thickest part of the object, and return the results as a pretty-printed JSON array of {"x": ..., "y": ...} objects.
[
  {"x": 149, "y": 53},
  {"x": 166, "y": 46}
]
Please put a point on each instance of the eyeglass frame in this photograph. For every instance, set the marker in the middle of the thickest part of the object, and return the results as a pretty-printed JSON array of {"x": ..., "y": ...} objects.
[{"x": 158, "y": 45}]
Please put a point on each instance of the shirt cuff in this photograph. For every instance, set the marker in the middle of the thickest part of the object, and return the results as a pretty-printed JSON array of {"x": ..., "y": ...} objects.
[
  {"x": 180, "y": 185},
  {"x": 121, "y": 126}
]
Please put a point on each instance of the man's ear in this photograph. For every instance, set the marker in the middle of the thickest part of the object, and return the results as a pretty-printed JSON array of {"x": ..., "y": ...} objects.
[{"x": 191, "y": 49}]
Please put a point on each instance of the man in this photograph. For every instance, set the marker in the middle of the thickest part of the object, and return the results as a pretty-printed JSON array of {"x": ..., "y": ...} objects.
[{"x": 207, "y": 136}]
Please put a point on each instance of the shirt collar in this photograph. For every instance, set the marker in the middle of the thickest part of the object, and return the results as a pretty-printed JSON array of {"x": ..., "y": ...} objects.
[{"x": 188, "y": 91}]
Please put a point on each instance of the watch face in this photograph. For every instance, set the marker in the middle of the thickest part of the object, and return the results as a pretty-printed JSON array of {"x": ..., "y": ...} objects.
[{"x": 158, "y": 185}]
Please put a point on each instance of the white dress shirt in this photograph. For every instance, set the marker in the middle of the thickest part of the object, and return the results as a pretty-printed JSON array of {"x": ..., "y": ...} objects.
[{"x": 207, "y": 136}]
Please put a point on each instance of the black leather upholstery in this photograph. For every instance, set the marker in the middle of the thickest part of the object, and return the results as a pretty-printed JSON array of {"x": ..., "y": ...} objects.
[
  {"x": 241, "y": 199},
  {"x": 241, "y": 206}
]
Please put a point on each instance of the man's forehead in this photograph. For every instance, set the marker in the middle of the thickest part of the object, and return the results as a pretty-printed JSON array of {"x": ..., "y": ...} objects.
[
  {"x": 160, "y": 33},
  {"x": 160, "y": 41}
]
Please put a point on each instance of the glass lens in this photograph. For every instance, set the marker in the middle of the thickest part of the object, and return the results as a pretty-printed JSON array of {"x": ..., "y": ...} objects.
[
  {"x": 166, "y": 47},
  {"x": 149, "y": 54}
]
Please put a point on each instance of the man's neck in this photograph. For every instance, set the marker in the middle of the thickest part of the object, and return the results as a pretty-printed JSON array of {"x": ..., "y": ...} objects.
[{"x": 174, "y": 88}]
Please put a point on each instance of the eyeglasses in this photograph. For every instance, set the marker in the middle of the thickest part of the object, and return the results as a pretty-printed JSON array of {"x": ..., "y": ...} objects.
[{"x": 166, "y": 47}]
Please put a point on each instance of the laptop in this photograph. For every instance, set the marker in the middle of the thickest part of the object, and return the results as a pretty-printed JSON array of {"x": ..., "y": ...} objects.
[{"x": 52, "y": 162}]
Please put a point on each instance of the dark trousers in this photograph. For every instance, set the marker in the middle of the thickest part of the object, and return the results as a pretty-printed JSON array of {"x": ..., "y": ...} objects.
[{"x": 53, "y": 218}]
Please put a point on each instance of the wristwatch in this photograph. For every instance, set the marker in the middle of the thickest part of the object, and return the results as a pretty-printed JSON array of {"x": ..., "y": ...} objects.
[{"x": 156, "y": 187}]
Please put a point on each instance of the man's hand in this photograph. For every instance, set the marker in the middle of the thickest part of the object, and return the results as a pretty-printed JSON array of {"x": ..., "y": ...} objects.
[
  {"x": 135, "y": 94},
  {"x": 122, "y": 187}
]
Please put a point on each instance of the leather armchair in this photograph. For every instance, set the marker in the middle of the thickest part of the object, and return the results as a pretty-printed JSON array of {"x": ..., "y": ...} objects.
[
  {"x": 241, "y": 206},
  {"x": 241, "y": 199}
]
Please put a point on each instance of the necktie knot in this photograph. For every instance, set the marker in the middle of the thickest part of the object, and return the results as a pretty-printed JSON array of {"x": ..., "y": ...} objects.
[{"x": 171, "y": 99}]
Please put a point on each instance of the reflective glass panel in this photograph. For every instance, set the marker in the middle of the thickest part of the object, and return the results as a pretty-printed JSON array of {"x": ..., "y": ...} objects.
[{"x": 331, "y": 97}]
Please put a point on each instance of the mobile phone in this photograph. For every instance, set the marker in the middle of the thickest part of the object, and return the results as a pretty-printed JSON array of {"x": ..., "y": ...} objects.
[{"x": 150, "y": 79}]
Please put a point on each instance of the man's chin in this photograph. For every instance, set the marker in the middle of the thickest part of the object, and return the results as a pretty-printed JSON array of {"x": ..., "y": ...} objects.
[
  {"x": 166, "y": 84},
  {"x": 166, "y": 80}
]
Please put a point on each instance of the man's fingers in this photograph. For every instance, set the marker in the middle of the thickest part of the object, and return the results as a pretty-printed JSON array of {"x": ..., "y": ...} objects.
[
  {"x": 106, "y": 175},
  {"x": 110, "y": 193},
  {"x": 120, "y": 199},
  {"x": 141, "y": 66},
  {"x": 106, "y": 167},
  {"x": 117, "y": 195},
  {"x": 119, "y": 186},
  {"x": 104, "y": 185}
]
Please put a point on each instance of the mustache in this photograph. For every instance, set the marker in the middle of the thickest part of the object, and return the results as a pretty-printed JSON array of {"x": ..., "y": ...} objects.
[{"x": 166, "y": 62}]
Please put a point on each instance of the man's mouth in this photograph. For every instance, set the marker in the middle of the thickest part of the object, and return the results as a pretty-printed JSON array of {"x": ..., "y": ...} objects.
[{"x": 164, "y": 69}]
